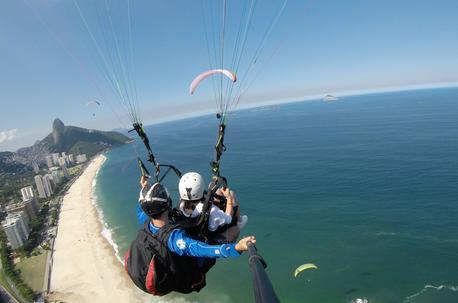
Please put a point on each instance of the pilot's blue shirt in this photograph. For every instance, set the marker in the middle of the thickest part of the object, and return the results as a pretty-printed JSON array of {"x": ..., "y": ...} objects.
[{"x": 180, "y": 243}]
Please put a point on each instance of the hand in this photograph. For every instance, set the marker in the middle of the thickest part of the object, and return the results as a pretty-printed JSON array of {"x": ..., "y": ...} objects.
[
  {"x": 242, "y": 245},
  {"x": 143, "y": 181},
  {"x": 226, "y": 192}
]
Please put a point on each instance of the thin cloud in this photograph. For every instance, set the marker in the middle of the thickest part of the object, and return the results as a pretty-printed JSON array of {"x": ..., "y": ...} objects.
[{"x": 8, "y": 135}]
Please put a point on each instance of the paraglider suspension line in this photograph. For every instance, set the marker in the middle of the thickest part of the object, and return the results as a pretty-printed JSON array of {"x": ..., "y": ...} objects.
[
  {"x": 219, "y": 148},
  {"x": 138, "y": 127}
]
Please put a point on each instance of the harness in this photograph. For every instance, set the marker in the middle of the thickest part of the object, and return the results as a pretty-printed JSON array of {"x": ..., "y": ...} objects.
[
  {"x": 197, "y": 226},
  {"x": 155, "y": 269}
]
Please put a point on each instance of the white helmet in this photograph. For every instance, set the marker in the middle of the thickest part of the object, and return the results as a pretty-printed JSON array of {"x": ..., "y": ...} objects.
[{"x": 191, "y": 187}]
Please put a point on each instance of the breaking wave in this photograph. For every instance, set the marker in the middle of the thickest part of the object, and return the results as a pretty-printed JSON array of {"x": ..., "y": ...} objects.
[{"x": 430, "y": 287}]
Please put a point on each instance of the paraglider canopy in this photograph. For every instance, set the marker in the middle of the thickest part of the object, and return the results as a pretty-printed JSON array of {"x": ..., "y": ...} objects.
[
  {"x": 197, "y": 80},
  {"x": 93, "y": 103},
  {"x": 304, "y": 267}
]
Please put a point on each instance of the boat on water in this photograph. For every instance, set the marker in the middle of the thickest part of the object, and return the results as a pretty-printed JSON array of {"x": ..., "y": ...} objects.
[{"x": 329, "y": 98}]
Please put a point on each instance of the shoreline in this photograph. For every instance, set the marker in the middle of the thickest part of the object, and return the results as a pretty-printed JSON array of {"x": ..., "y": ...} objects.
[
  {"x": 85, "y": 267},
  {"x": 106, "y": 232}
]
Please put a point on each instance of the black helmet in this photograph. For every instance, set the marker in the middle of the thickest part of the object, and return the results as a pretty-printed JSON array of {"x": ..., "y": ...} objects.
[{"x": 155, "y": 200}]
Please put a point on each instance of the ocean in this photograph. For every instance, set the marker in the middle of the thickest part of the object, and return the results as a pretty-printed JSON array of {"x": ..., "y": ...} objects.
[{"x": 365, "y": 187}]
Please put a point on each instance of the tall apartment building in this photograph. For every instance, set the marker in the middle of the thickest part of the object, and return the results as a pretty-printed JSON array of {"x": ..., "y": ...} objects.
[
  {"x": 71, "y": 158},
  {"x": 48, "y": 185},
  {"x": 15, "y": 231},
  {"x": 24, "y": 219},
  {"x": 49, "y": 162},
  {"x": 29, "y": 208},
  {"x": 40, "y": 187},
  {"x": 27, "y": 193},
  {"x": 56, "y": 176},
  {"x": 62, "y": 161},
  {"x": 44, "y": 185},
  {"x": 35, "y": 167},
  {"x": 65, "y": 172},
  {"x": 55, "y": 158}
]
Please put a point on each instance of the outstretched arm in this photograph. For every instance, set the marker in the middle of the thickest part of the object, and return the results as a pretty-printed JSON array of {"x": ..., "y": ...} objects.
[{"x": 183, "y": 245}]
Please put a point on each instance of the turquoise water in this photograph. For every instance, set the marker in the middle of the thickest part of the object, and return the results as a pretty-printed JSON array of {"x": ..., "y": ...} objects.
[{"x": 366, "y": 188}]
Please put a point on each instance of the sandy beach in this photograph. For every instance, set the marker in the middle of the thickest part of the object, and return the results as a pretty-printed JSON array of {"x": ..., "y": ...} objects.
[{"x": 85, "y": 268}]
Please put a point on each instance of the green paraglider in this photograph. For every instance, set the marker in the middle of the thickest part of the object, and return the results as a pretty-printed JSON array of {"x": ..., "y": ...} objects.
[{"x": 304, "y": 267}]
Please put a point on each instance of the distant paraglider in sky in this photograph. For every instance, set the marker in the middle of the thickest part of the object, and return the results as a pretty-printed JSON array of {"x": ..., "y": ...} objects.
[{"x": 91, "y": 104}]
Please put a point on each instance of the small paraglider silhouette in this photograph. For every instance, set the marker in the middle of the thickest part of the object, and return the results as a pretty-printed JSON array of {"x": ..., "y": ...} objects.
[{"x": 91, "y": 104}]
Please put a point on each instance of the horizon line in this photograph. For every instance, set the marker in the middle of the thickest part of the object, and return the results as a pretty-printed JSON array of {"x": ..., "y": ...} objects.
[
  {"x": 314, "y": 97},
  {"x": 298, "y": 99}
]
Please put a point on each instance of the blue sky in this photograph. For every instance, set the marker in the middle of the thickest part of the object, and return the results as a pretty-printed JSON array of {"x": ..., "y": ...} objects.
[{"x": 49, "y": 66}]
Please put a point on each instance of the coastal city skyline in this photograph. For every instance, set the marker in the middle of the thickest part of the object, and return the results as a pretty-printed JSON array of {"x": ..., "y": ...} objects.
[
  {"x": 371, "y": 45},
  {"x": 46, "y": 181}
]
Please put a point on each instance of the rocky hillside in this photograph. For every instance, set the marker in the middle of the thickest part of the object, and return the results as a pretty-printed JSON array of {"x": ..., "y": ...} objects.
[
  {"x": 69, "y": 139},
  {"x": 8, "y": 164}
]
